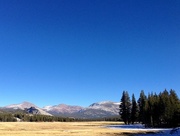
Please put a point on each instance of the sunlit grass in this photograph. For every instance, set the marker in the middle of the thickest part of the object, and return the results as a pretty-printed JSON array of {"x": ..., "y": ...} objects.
[{"x": 60, "y": 129}]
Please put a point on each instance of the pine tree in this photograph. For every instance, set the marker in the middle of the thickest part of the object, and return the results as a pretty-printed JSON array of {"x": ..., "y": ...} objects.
[
  {"x": 125, "y": 107},
  {"x": 175, "y": 108},
  {"x": 165, "y": 108},
  {"x": 134, "y": 110},
  {"x": 155, "y": 112},
  {"x": 149, "y": 109},
  {"x": 141, "y": 106}
]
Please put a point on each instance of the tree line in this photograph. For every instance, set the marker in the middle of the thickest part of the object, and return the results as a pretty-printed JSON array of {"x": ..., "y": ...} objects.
[
  {"x": 154, "y": 110},
  {"x": 23, "y": 117}
]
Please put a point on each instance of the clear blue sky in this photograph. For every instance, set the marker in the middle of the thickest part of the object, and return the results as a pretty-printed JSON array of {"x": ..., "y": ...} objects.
[{"x": 83, "y": 51}]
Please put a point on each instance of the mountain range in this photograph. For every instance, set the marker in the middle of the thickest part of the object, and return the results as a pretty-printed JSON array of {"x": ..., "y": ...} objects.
[{"x": 95, "y": 110}]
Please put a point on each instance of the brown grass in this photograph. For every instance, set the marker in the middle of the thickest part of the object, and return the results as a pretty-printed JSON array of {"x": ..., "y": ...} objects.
[{"x": 60, "y": 129}]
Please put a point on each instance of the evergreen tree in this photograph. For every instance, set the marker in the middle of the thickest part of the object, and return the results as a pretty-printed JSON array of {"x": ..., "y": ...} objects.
[
  {"x": 134, "y": 110},
  {"x": 175, "y": 108},
  {"x": 149, "y": 110},
  {"x": 141, "y": 106},
  {"x": 164, "y": 108},
  {"x": 156, "y": 114},
  {"x": 125, "y": 107}
]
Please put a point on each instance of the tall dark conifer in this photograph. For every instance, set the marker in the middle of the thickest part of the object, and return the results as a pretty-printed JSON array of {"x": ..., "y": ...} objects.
[
  {"x": 141, "y": 106},
  {"x": 164, "y": 107},
  {"x": 149, "y": 109},
  {"x": 175, "y": 108},
  {"x": 125, "y": 107},
  {"x": 156, "y": 113},
  {"x": 134, "y": 110}
]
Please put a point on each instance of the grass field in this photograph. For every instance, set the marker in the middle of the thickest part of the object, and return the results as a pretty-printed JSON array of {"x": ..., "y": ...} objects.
[{"x": 60, "y": 129}]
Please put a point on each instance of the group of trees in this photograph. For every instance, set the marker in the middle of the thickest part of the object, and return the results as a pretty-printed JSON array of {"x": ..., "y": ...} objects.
[
  {"x": 40, "y": 118},
  {"x": 7, "y": 117},
  {"x": 162, "y": 110},
  {"x": 24, "y": 117},
  {"x": 19, "y": 116}
]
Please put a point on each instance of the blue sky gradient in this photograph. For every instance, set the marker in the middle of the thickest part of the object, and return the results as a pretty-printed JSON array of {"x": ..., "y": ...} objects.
[{"x": 85, "y": 51}]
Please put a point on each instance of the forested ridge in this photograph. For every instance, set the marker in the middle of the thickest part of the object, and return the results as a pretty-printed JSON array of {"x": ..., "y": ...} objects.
[{"x": 154, "y": 110}]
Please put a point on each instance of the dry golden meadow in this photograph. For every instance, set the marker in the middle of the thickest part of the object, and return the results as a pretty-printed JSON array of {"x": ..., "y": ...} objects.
[{"x": 61, "y": 129}]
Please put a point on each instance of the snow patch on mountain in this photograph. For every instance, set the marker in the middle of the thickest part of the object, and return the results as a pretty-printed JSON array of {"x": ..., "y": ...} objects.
[
  {"x": 62, "y": 108},
  {"x": 109, "y": 106},
  {"x": 47, "y": 108}
]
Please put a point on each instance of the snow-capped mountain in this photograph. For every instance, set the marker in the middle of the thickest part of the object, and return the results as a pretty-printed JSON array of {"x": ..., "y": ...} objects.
[
  {"x": 20, "y": 106},
  {"x": 26, "y": 105},
  {"x": 100, "y": 110},
  {"x": 62, "y": 109},
  {"x": 95, "y": 110},
  {"x": 108, "y": 106}
]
